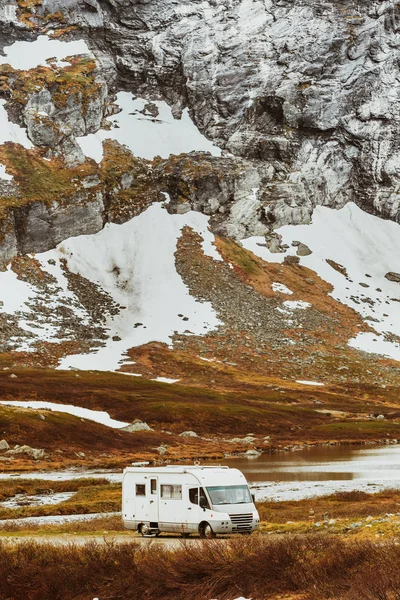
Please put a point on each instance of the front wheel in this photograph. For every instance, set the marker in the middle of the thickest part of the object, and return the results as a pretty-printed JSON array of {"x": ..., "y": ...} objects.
[
  {"x": 206, "y": 531},
  {"x": 147, "y": 532}
]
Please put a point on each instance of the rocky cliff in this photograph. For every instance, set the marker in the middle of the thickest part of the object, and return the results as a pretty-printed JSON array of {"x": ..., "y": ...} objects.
[
  {"x": 306, "y": 93},
  {"x": 184, "y": 120}
]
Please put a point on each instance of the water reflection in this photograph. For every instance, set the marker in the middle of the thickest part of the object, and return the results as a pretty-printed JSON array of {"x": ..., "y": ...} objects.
[{"x": 331, "y": 463}]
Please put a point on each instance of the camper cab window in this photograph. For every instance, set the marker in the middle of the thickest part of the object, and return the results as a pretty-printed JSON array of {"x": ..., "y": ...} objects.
[
  {"x": 171, "y": 492},
  {"x": 231, "y": 494},
  {"x": 198, "y": 496},
  {"x": 140, "y": 489}
]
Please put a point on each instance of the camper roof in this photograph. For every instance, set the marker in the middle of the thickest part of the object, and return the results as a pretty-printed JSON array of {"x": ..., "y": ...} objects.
[
  {"x": 205, "y": 474},
  {"x": 175, "y": 468}
]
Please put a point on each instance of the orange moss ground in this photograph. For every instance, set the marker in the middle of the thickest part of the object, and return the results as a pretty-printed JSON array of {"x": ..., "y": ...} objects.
[{"x": 288, "y": 413}]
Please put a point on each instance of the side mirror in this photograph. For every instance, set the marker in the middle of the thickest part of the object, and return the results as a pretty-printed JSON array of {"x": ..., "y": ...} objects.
[{"x": 253, "y": 498}]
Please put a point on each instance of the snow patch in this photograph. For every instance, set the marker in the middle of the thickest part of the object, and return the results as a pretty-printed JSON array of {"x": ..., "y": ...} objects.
[
  {"x": 296, "y": 304},
  {"x": 3, "y": 175},
  {"x": 146, "y": 134},
  {"x": 166, "y": 380},
  {"x": 10, "y": 132},
  {"x": 13, "y": 292},
  {"x": 30, "y": 55},
  {"x": 282, "y": 289},
  {"x": 304, "y": 382},
  {"x": 84, "y": 413}
]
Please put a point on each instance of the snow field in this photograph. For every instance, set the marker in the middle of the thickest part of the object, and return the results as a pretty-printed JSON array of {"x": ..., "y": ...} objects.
[
  {"x": 367, "y": 247},
  {"x": 135, "y": 264}
]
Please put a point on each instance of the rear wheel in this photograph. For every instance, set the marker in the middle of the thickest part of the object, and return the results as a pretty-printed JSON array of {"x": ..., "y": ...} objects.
[{"x": 206, "y": 531}]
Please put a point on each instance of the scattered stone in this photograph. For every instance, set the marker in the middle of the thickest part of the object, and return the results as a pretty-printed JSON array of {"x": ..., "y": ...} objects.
[
  {"x": 380, "y": 418},
  {"x": 188, "y": 434},
  {"x": 249, "y": 439},
  {"x": 13, "y": 376},
  {"x": 80, "y": 454},
  {"x": 35, "y": 453},
  {"x": 162, "y": 449},
  {"x": 393, "y": 276}
]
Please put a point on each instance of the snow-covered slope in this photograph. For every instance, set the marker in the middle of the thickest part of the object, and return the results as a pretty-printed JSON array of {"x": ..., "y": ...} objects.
[
  {"x": 361, "y": 249},
  {"x": 134, "y": 265}
]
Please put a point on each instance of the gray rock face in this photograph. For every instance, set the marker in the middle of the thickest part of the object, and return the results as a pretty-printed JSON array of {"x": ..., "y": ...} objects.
[
  {"x": 303, "y": 96},
  {"x": 309, "y": 87},
  {"x": 55, "y": 128},
  {"x": 39, "y": 227}
]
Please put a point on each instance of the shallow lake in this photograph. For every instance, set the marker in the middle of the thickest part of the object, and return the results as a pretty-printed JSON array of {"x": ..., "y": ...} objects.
[
  {"x": 322, "y": 470},
  {"x": 296, "y": 474}
]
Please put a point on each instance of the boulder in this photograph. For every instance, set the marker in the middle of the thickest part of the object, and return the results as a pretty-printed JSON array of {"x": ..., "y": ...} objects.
[
  {"x": 253, "y": 452},
  {"x": 188, "y": 434},
  {"x": 4, "y": 446},
  {"x": 136, "y": 426},
  {"x": 303, "y": 250}
]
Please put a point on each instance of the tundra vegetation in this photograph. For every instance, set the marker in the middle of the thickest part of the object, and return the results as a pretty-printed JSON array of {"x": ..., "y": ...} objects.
[{"x": 287, "y": 567}]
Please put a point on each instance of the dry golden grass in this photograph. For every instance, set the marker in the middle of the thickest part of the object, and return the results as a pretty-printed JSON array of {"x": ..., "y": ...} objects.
[
  {"x": 342, "y": 505},
  {"x": 313, "y": 568}
]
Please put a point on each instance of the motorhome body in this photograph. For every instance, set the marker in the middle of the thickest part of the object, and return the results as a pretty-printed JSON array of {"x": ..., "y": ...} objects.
[{"x": 187, "y": 499}]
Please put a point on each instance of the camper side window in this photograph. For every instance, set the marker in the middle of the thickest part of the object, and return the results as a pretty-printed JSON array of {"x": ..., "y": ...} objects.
[
  {"x": 140, "y": 489},
  {"x": 171, "y": 491}
]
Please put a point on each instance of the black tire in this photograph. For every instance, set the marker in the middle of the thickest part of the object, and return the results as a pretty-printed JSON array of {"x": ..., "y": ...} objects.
[
  {"x": 146, "y": 532},
  {"x": 206, "y": 531}
]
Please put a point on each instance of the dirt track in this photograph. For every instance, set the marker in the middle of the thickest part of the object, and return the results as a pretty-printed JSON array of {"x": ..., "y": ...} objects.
[{"x": 68, "y": 538}]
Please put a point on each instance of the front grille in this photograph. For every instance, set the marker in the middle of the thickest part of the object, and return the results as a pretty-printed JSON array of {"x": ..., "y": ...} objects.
[{"x": 241, "y": 522}]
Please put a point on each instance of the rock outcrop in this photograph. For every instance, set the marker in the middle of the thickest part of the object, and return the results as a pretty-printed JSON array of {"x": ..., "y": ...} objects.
[{"x": 302, "y": 98}]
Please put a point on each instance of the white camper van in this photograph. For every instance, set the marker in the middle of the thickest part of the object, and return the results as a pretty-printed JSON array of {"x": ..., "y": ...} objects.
[{"x": 187, "y": 499}]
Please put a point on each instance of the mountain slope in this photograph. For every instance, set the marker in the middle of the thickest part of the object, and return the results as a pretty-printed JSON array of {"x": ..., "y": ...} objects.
[{"x": 201, "y": 193}]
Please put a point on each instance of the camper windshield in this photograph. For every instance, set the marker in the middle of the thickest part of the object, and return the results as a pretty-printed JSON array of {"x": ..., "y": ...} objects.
[{"x": 231, "y": 494}]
